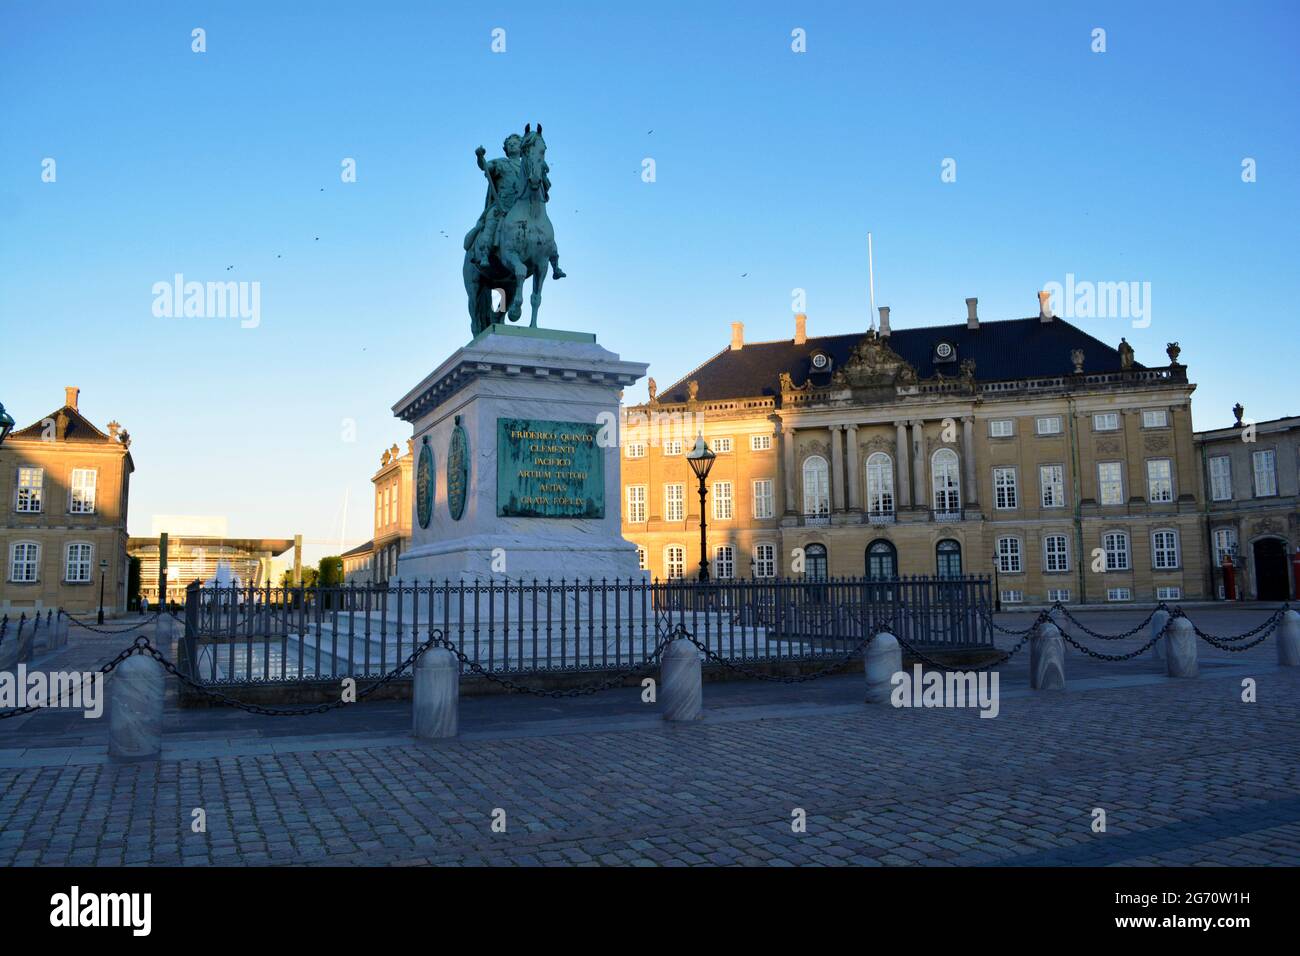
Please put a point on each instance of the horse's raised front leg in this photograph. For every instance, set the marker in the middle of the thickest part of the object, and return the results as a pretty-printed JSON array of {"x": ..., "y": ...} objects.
[{"x": 536, "y": 299}]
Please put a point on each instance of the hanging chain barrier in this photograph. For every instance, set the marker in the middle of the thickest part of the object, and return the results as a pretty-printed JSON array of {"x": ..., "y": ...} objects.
[{"x": 142, "y": 645}]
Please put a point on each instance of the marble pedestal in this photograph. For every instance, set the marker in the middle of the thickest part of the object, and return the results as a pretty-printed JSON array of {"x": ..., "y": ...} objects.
[
  {"x": 435, "y": 696},
  {"x": 511, "y": 372},
  {"x": 681, "y": 681}
]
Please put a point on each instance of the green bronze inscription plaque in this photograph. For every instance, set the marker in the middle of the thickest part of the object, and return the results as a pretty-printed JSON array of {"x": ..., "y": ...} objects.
[
  {"x": 424, "y": 479},
  {"x": 548, "y": 469}
]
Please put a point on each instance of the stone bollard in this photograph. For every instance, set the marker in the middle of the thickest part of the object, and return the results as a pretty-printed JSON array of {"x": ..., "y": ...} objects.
[
  {"x": 882, "y": 659},
  {"x": 1182, "y": 649},
  {"x": 1158, "y": 622},
  {"x": 435, "y": 694},
  {"x": 681, "y": 681},
  {"x": 9, "y": 648},
  {"x": 1288, "y": 640},
  {"x": 135, "y": 709},
  {"x": 164, "y": 631},
  {"x": 1047, "y": 658}
]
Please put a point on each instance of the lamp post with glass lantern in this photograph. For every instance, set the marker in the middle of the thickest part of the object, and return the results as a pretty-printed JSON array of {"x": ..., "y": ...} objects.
[
  {"x": 701, "y": 460},
  {"x": 103, "y": 567}
]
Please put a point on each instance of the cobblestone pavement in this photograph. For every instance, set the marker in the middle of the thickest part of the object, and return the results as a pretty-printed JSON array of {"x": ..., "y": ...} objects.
[{"x": 1186, "y": 772}]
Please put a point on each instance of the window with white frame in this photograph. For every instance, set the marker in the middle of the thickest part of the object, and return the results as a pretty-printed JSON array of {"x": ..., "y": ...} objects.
[
  {"x": 1002, "y": 428},
  {"x": 722, "y": 446},
  {"x": 1115, "y": 545},
  {"x": 640, "y": 557},
  {"x": 1013, "y": 596},
  {"x": 1119, "y": 594},
  {"x": 392, "y": 512},
  {"x": 1105, "y": 422},
  {"x": 83, "y": 491},
  {"x": 946, "y": 481},
  {"x": 1048, "y": 424},
  {"x": 1009, "y": 555},
  {"x": 724, "y": 562},
  {"x": 880, "y": 484},
  {"x": 1056, "y": 553},
  {"x": 674, "y": 561},
  {"x": 723, "y": 500},
  {"x": 760, "y": 442},
  {"x": 674, "y": 502},
  {"x": 31, "y": 489},
  {"x": 1164, "y": 550},
  {"x": 1225, "y": 544},
  {"x": 1221, "y": 478},
  {"x": 634, "y": 449},
  {"x": 673, "y": 446},
  {"x": 764, "y": 560},
  {"x": 1058, "y": 594},
  {"x": 1264, "y": 464},
  {"x": 1110, "y": 482},
  {"x": 636, "y": 504},
  {"x": 764, "y": 502},
  {"x": 1160, "y": 480},
  {"x": 816, "y": 486},
  {"x": 1051, "y": 483},
  {"x": 24, "y": 561},
  {"x": 1004, "y": 488},
  {"x": 1168, "y": 593},
  {"x": 1155, "y": 418},
  {"x": 76, "y": 564}
]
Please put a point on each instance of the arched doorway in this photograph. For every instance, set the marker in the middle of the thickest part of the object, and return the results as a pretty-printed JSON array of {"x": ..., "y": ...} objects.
[
  {"x": 882, "y": 560},
  {"x": 1271, "y": 570},
  {"x": 947, "y": 558}
]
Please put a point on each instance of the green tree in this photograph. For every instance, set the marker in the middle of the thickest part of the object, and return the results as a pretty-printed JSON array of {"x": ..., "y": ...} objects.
[{"x": 330, "y": 571}]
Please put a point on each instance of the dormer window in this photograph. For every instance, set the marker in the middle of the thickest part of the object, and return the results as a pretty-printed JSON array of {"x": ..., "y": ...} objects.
[{"x": 945, "y": 353}]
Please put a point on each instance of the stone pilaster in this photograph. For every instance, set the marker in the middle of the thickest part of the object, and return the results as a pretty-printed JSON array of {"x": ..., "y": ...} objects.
[
  {"x": 903, "y": 480},
  {"x": 855, "y": 459},
  {"x": 787, "y": 457},
  {"x": 968, "y": 460},
  {"x": 837, "y": 467},
  {"x": 920, "y": 468}
]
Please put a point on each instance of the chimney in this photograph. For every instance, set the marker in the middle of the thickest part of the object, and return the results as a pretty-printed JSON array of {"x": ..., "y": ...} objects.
[
  {"x": 70, "y": 394},
  {"x": 972, "y": 320},
  {"x": 737, "y": 336},
  {"x": 800, "y": 328},
  {"x": 884, "y": 321},
  {"x": 1044, "y": 306}
]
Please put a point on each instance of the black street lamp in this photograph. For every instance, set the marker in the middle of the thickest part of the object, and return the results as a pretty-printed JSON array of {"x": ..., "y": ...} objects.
[
  {"x": 701, "y": 460},
  {"x": 6, "y": 423},
  {"x": 103, "y": 567},
  {"x": 997, "y": 593}
]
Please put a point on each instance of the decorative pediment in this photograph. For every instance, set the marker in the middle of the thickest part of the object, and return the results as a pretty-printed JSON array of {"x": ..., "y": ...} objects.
[{"x": 873, "y": 364}]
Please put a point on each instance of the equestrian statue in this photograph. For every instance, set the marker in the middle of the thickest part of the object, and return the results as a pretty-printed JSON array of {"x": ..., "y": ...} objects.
[{"x": 513, "y": 238}]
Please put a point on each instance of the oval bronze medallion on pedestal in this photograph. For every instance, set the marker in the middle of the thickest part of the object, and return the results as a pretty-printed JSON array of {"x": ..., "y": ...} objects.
[
  {"x": 457, "y": 471},
  {"x": 424, "y": 484}
]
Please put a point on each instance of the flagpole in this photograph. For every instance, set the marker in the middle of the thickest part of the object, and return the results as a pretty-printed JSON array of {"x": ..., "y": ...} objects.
[{"x": 871, "y": 279}]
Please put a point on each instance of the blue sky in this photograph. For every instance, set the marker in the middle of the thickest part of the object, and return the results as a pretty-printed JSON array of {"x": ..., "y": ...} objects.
[{"x": 771, "y": 168}]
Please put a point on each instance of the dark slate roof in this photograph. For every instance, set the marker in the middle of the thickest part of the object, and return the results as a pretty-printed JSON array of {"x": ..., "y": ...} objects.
[
  {"x": 1014, "y": 349},
  {"x": 79, "y": 428},
  {"x": 359, "y": 549}
]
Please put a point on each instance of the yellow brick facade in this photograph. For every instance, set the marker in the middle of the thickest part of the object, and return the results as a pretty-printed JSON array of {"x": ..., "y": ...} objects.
[
  {"x": 64, "y": 488},
  {"x": 813, "y": 446}
]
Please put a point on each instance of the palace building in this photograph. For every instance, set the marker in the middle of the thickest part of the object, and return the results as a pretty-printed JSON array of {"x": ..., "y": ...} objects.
[
  {"x": 64, "y": 486},
  {"x": 1252, "y": 477},
  {"x": 1025, "y": 449},
  {"x": 376, "y": 560}
]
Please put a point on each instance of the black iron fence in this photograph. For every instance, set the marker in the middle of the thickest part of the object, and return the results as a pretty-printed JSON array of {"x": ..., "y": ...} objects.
[{"x": 249, "y": 634}]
